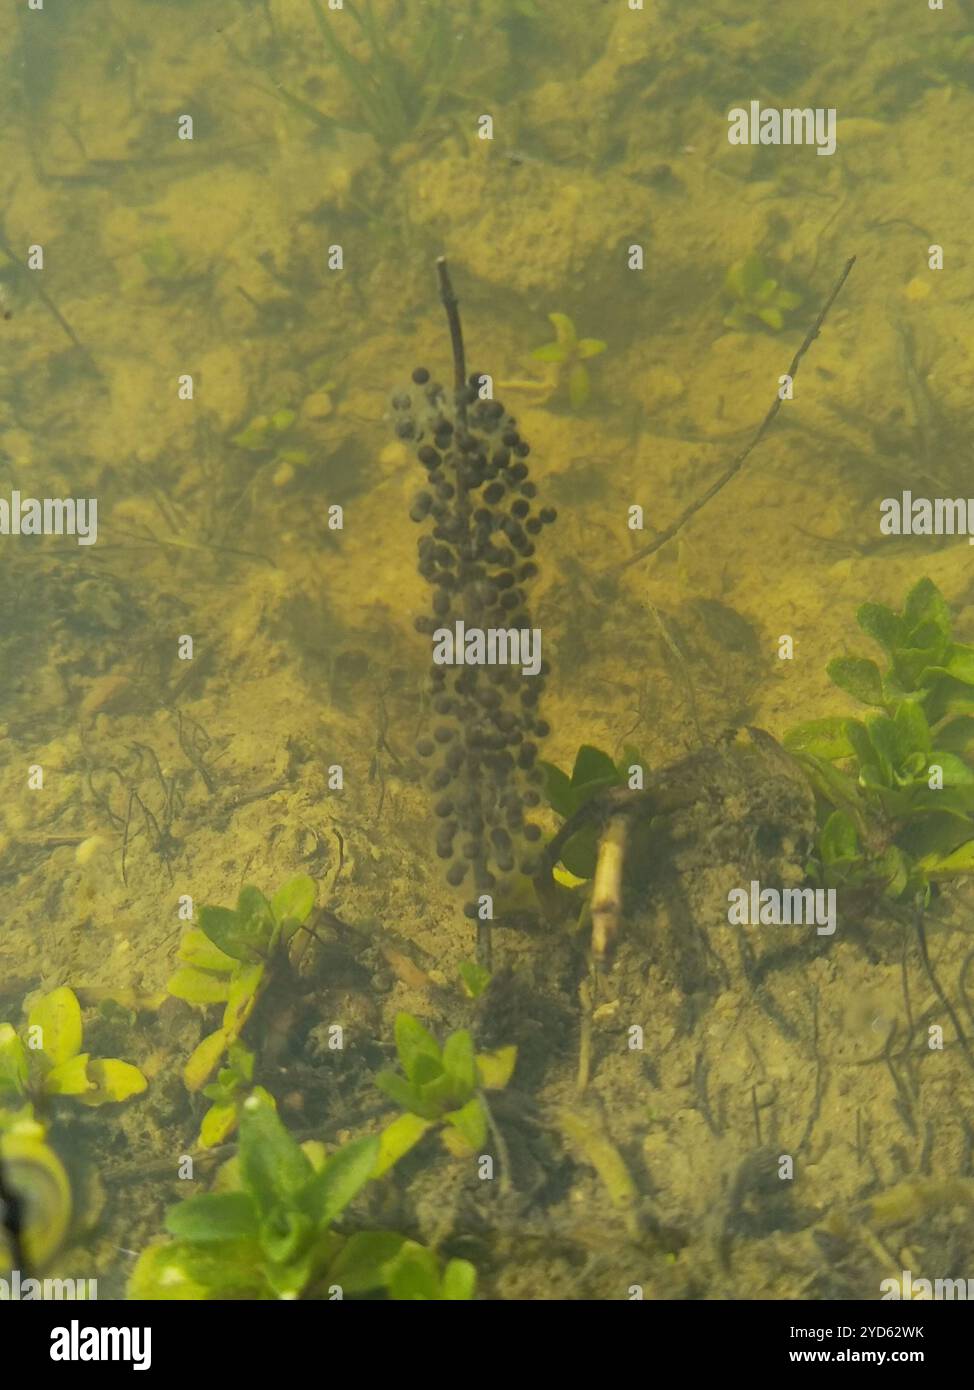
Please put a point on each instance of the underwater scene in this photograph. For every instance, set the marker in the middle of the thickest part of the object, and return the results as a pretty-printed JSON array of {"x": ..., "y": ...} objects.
[{"x": 486, "y": 650}]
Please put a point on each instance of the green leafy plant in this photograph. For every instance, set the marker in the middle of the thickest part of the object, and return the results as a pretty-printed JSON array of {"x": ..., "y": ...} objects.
[
  {"x": 593, "y": 772},
  {"x": 474, "y": 978},
  {"x": 233, "y": 1085},
  {"x": 757, "y": 295},
  {"x": 397, "y": 90},
  {"x": 52, "y": 1062},
  {"x": 895, "y": 791},
  {"x": 404, "y": 1269},
  {"x": 34, "y": 1172},
  {"x": 264, "y": 432},
  {"x": 568, "y": 354},
  {"x": 267, "y": 1229},
  {"x": 415, "y": 1275},
  {"x": 439, "y": 1088},
  {"x": 226, "y": 960}
]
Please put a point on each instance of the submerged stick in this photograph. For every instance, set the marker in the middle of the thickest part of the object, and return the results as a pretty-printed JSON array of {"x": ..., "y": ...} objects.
[
  {"x": 738, "y": 463},
  {"x": 452, "y": 308},
  {"x": 52, "y": 308}
]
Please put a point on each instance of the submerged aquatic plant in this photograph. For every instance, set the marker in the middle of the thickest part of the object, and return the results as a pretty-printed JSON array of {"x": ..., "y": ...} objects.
[
  {"x": 267, "y": 1229},
  {"x": 229, "y": 1093},
  {"x": 439, "y": 1088},
  {"x": 568, "y": 354},
  {"x": 266, "y": 1233},
  {"x": 593, "y": 772},
  {"x": 895, "y": 791},
  {"x": 757, "y": 295},
  {"x": 264, "y": 432},
  {"x": 52, "y": 1062},
  {"x": 397, "y": 91},
  {"x": 32, "y": 1172},
  {"x": 226, "y": 959}
]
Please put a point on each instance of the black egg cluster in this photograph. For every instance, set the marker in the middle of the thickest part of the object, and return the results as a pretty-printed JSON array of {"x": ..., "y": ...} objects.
[{"x": 477, "y": 555}]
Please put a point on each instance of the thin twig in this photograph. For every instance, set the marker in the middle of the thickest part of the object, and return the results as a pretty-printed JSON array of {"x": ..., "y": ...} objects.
[
  {"x": 51, "y": 307},
  {"x": 735, "y": 467},
  {"x": 938, "y": 988},
  {"x": 456, "y": 337}
]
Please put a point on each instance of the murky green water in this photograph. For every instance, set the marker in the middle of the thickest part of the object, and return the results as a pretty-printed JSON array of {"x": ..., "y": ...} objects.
[{"x": 228, "y": 414}]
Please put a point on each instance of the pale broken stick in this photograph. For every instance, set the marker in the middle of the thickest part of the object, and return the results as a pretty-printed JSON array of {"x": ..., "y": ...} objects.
[{"x": 615, "y": 810}]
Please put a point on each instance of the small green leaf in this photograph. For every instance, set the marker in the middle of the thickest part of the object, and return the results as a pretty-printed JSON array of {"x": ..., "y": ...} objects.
[
  {"x": 867, "y": 755},
  {"x": 459, "y": 1063},
  {"x": 198, "y": 986},
  {"x": 459, "y": 1281},
  {"x": 470, "y": 1121},
  {"x": 890, "y": 742},
  {"x": 203, "y": 1060},
  {"x": 926, "y": 604},
  {"x": 825, "y": 738},
  {"x": 956, "y": 772},
  {"x": 958, "y": 735},
  {"x": 894, "y": 868},
  {"x": 913, "y": 666},
  {"x": 495, "y": 1069},
  {"x": 226, "y": 931},
  {"x": 415, "y": 1276},
  {"x": 197, "y": 949},
  {"x": 272, "y": 1164},
  {"x": 435, "y": 1096},
  {"x": 772, "y": 316},
  {"x": 255, "y": 917},
  {"x": 403, "y": 1134},
  {"x": 745, "y": 277},
  {"x": 580, "y": 854},
  {"x": 366, "y": 1261},
  {"x": 284, "y": 1233},
  {"x": 882, "y": 624},
  {"x": 344, "y": 1175},
  {"x": 242, "y": 997},
  {"x": 68, "y": 1078},
  {"x": 558, "y": 790},
  {"x": 579, "y": 386},
  {"x": 218, "y": 1124},
  {"x": 590, "y": 347},
  {"x": 912, "y": 727},
  {"x": 550, "y": 352},
  {"x": 592, "y": 765},
  {"x": 213, "y": 1216},
  {"x": 961, "y": 861},
  {"x": 113, "y": 1081},
  {"x": 412, "y": 1042},
  {"x": 475, "y": 977},
  {"x": 960, "y": 664},
  {"x": 241, "y": 1060},
  {"x": 838, "y": 840},
  {"x": 564, "y": 329},
  {"x": 295, "y": 900},
  {"x": 397, "y": 1088},
  {"x": 184, "y": 1270},
  {"x": 859, "y": 676},
  {"x": 58, "y": 1015}
]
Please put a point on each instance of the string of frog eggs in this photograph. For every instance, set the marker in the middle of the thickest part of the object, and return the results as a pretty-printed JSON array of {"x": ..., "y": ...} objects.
[{"x": 478, "y": 558}]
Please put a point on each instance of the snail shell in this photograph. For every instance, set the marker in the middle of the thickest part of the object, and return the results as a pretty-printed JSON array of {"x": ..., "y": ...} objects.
[{"x": 36, "y": 1174}]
